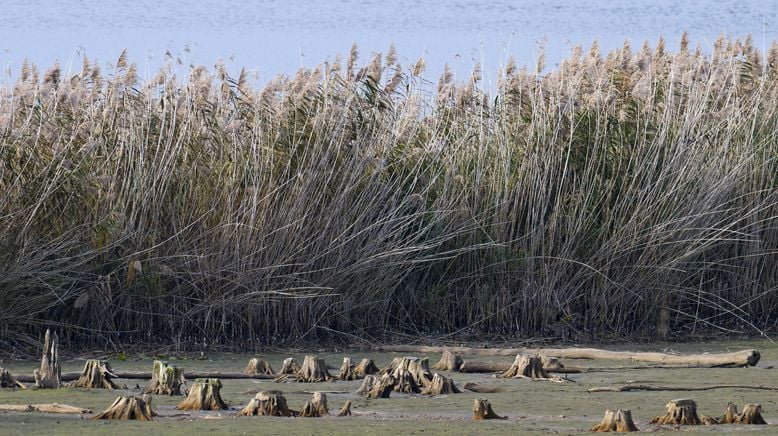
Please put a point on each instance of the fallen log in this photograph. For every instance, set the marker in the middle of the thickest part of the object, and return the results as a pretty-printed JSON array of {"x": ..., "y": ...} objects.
[
  {"x": 636, "y": 387},
  {"x": 43, "y": 408},
  {"x": 733, "y": 359},
  {"x": 146, "y": 375}
]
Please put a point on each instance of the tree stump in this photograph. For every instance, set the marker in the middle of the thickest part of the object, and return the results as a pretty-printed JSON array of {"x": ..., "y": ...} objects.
[
  {"x": 411, "y": 374},
  {"x": 129, "y": 408},
  {"x": 525, "y": 366},
  {"x": 316, "y": 407},
  {"x": 96, "y": 375},
  {"x": 9, "y": 381},
  {"x": 366, "y": 367},
  {"x": 204, "y": 395},
  {"x": 377, "y": 387},
  {"x": 752, "y": 414},
  {"x": 441, "y": 385},
  {"x": 346, "y": 409},
  {"x": 367, "y": 385},
  {"x": 482, "y": 409},
  {"x": 616, "y": 420},
  {"x": 49, "y": 376},
  {"x": 290, "y": 366},
  {"x": 258, "y": 365},
  {"x": 314, "y": 370},
  {"x": 682, "y": 412},
  {"x": 347, "y": 370},
  {"x": 267, "y": 403},
  {"x": 448, "y": 362},
  {"x": 165, "y": 379}
]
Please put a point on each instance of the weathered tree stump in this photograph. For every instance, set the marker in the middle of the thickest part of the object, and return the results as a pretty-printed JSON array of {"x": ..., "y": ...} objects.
[
  {"x": 96, "y": 375},
  {"x": 316, "y": 407},
  {"x": 751, "y": 414},
  {"x": 440, "y": 385},
  {"x": 267, "y": 403},
  {"x": 346, "y": 409},
  {"x": 482, "y": 409},
  {"x": 129, "y": 408},
  {"x": 448, "y": 362},
  {"x": 289, "y": 366},
  {"x": 347, "y": 370},
  {"x": 366, "y": 367},
  {"x": 411, "y": 374},
  {"x": 258, "y": 365},
  {"x": 49, "y": 376},
  {"x": 7, "y": 380},
  {"x": 616, "y": 420},
  {"x": 314, "y": 370},
  {"x": 165, "y": 379},
  {"x": 204, "y": 395},
  {"x": 682, "y": 412},
  {"x": 377, "y": 387},
  {"x": 525, "y": 366}
]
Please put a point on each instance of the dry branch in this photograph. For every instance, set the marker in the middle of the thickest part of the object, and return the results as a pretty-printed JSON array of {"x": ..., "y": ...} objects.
[{"x": 733, "y": 359}]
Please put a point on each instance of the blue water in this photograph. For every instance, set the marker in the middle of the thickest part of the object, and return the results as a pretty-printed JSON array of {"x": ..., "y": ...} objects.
[{"x": 273, "y": 36}]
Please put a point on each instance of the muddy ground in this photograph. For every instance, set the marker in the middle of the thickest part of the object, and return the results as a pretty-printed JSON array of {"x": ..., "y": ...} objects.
[{"x": 533, "y": 407}]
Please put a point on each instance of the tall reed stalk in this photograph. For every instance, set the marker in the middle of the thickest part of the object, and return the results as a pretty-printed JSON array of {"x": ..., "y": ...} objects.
[{"x": 345, "y": 203}]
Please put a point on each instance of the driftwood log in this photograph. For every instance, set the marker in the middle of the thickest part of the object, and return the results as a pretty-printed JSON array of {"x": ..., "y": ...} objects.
[
  {"x": 132, "y": 407},
  {"x": 347, "y": 370},
  {"x": 440, "y": 385},
  {"x": 165, "y": 379},
  {"x": 682, "y": 412},
  {"x": 482, "y": 409},
  {"x": 530, "y": 367},
  {"x": 258, "y": 365},
  {"x": 734, "y": 359},
  {"x": 366, "y": 367},
  {"x": 48, "y": 376},
  {"x": 7, "y": 380},
  {"x": 751, "y": 414},
  {"x": 96, "y": 375},
  {"x": 616, "y": 421},
  {"x": 316, "y": 407},
  {"x": 314, "y": 370},
  {"x": 639, "y": 387},
  {"x": 267, "y": 403},
  {"x": 43, "y": 408},
  {"x": 482, "y": 389},
  {"x": 346, "y": 409},
  {"x": 204, "y": 395}
]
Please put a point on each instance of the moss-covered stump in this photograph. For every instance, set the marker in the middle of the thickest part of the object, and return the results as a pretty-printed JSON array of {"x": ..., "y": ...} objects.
[
  {"x": 482, "y": 409},
  {"x": 377, "y": 387},
  {"x": 8, "y": 381},
  {"x": 165, "y": 379},
  {"x": 316, "y": 407},
  {"x": 96, "y": 375},
  {"x": 347, "y": 370},
  {"x": 346, "y": 409},
  {"x": 616, "y": 421},
  {"x": 531, "y": 367},
  {"x": 289, "y": 366},
  {"x": 313, "y": 370},
  {"x": 440, "y": 385},
  {"x": 258, "y": 365},
  {"x": 204, "y": 395},
  {"x": 267, "y": 403},
  {"x": 682, "y": 412},
  {"x": 411, "y": 374},
  {"x": 366, "y": 367},
  {"x": 132, "y": 407},
  {"x": 448, "y": 362},
  {"x": 751, "y": 414},
  {"x": 49, "y": 375}
]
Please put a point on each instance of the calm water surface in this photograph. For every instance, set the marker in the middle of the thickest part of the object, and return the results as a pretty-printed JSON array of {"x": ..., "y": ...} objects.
[{"x": 274, "y": 36}]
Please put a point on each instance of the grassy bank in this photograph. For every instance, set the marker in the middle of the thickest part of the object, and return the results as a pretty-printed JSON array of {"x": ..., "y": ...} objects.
[{"x": 614, "y": 194}]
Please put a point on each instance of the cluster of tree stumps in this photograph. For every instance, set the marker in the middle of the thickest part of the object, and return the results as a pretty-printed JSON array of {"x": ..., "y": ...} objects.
[{"x": 410, "y": 375}]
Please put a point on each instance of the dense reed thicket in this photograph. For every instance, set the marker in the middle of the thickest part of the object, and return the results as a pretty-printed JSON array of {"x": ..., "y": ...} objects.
[{"x": 603, "y": 197}]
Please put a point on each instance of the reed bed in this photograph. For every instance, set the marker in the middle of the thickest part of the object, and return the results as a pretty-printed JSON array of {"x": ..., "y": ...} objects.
[{"x": 608, "y": 196}]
